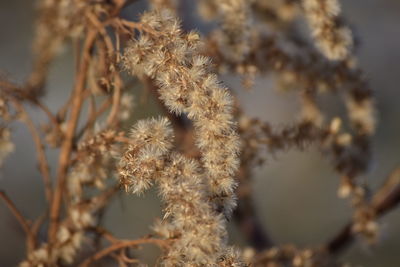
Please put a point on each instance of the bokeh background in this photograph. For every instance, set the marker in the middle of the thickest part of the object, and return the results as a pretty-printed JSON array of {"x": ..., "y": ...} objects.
[{"x": 295, "y": 192}]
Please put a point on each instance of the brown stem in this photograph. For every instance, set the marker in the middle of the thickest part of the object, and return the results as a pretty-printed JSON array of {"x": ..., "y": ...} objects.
[
  {"x": 104, "y": 233},
  {"x": 43, "y": 164},
  {"x": 93, "y": 116},
  {"x": 384, "y": 200},
  {"x": 116, "y": 101},
  {"x": 22, "y": 221},
  {"x": 46, "y": 110},
  {"x": 19, "y": 93},
  {"x": 66, "y": 147},
  {"x": 121, "y": 245}
]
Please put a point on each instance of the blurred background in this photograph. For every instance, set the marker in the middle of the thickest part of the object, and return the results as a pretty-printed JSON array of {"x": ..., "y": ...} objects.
[{"x": 295, "y": 192}]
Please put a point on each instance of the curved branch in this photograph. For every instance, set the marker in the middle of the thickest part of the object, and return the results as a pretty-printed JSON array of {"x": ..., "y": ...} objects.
[
  {"x": 22, "y": 221},
  {"x": 384, "y": 200},
  {"x": 42, "y": 159},
  {"x": 121, "y": 245}
]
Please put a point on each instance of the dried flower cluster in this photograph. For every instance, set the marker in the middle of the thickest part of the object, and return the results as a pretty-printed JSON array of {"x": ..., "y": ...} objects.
[
  {"x": 186, "y": 86},
  {"x": 189, "y": 218},
  {"x": 334, "y": 40},
  {"x": 202, "y": 152},
  {"x": 235, "y": 18}
]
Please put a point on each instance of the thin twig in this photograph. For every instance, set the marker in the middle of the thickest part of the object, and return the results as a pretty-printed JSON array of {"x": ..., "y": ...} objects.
[
  {"x": 384, "y": 200},
  {"x": 19, "y": 93},
  {"x": 47, "y": 111},
  {"x": 42, "y": 159},
  {"x": 104, "y": 233},
  {"x": 66, "y": 147},
  {"x": 22, "y": 221},
  {"x": 93, "y": 116},
  {"x": 120, "y": 245}
]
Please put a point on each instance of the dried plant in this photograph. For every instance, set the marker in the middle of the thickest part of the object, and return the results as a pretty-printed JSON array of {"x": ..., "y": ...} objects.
[{"x": 202, "y": 152}]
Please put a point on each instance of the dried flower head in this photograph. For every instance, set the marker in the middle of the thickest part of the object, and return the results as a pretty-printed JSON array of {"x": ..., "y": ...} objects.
[
  {"x": 188, "y": 215},
  {"x": 191, "y": 156},
  {"x": 332, "y": 38},
  {"x": 187, "y": 86},
  {"x": 6, "y": 146}
]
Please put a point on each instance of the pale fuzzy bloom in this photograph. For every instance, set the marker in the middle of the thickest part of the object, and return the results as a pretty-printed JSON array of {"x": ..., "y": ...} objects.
[
  {"x": 67, "y": 254},
  {"x": 188, "y": 215},
  {"x": 232, "y": 258},
  {"x": 77, "y": 178},
  {"x": 187, "y": 86},
  {"x": 248, "y": 254},
  {"x": 235, "y": 37},
  {"x": 68, "y": 250},
  {"x": 25, "y": 264},
  {"x": 53, "y": 135},
  {"x": 126, "y": 106},
  {"x": 95, "y": 154},
  {"x": 335, "y": 125},
  {"x": 95, "y": 165},
  {"x": 346, "y": 187},
  {"x": 57, "y": 20},
  {"x": 89, "y": 172},
  {"x": 344, "y": 139},
  {"x": 235, "y": 16},
  {"x": 362, "y": 115},
  {"x": 164, "y": 229},
  {"x": 6, "y": 146},
  {"x": 70, "y": 238},
  {"x": 151, "y": 140},
  {"x": 77, "y": 239},
  {"x": 334, "y": 40},
  {"x": 202, "y": 231},
  {"x": 364, "y": 217},
  {"x": 98, "y": 143},
  {"x": 81, "y": 218},
  {"x": 310, "y": 111},
  {"x": 331, "y": 7},
  {"x": 63, "y": 234},
  {"x": 67, "y": 246},
  {"x": 41, "y": 254},
  {"x": 37, "y": 258},
  {"x": 155, "y": 134},
  {"x": 4, "y": 109}
]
